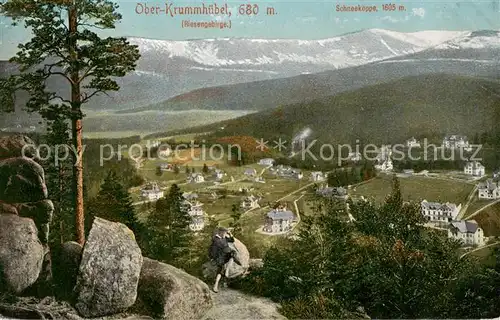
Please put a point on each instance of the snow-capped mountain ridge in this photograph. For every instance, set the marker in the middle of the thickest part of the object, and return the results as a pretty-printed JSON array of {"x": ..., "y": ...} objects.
[
  {"x": 171, "y": 68},
  {"x": 336, "y": 52},
  {"x": 481, "y": 39}
]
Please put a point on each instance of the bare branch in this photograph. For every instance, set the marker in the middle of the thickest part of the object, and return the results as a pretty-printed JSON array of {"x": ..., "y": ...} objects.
[
  {"x": 50, "y": 72},
  {"x": 86, "y": 97}
]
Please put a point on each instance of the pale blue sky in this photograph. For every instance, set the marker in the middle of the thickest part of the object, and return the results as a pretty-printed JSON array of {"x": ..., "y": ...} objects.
[{"x": 295, "y": 19}]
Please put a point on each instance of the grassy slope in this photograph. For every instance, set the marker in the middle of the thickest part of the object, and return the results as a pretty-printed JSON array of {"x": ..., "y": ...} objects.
[
  {"x": 489, "y": 220},
  {"x": 389, "y": 112},
  {"x": 417, "y": 189}
]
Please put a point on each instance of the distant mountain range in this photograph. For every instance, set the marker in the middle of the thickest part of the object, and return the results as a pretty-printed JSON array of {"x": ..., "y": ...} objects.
[
  {"x": 425, "y": 105},
  {"x": 169, "y": 68},
  {"x": 474, "y": 54},
  {"x": 253, "y": 75}
]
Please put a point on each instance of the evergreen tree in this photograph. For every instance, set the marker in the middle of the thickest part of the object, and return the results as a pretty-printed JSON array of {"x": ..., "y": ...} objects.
[
  {"x": 64, "y": 45},
  {"x": 168, "y": 228},
  {"x": 236, "y": 215},
  {"x": 385, "y": 261},
  {"x": 177, "y": 170},
  {"x": 113, "y": 203},
  {"x": 193, "y": 170},
  {"x": 58, "y": 179},
  {"x": 159, "y": 171},
  {"x": 188, "y": 170},
  {"x": 205, "y": 168}
]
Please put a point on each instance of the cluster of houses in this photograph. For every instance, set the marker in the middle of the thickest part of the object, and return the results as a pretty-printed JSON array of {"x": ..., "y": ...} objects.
[
  {"x": 354, "y": 156},
  {"x": 266, "y": 162},
  {"x": 151, "y": 192},
  {"x": 489, "y": 189},
  {"x": 384, "y": 161},
  {"x": 250, "y": 202},
  {"x": 413, "y": 143},
  {"x": 332, "y": 192},
  {"x": 318, "y": 176},
  {"x": 453, "y": 141},
  {"x": 456, "y": 142},
  {"x": 286, "y": 172},
  {"x": 474, "y": 168},
  {"x": 279, "y": 220},
  {"x": 195, "y": 210},
  {"x": 467, "y": 231}
]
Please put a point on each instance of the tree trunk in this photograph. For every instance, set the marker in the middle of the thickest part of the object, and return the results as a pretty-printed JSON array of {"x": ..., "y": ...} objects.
[
  {"x": 76, "y": 128},
  {"x": 60, "y": 202}
]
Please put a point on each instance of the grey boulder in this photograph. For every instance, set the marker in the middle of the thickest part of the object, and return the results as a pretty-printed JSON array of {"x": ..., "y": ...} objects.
[
  {"x": 21, "y": 253},
  {"x": 109, "y": 270},
  {"x": 170, "y": 293},
  {"x": 66, "y": 266},
  {"x": 21, "y": 180},
  {"x": 13, "y": 146}
]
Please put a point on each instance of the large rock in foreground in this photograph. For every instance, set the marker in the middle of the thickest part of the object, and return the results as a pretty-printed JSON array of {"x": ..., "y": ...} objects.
[
  {"x": 66, "y": 264},
  {"x": 231, "y": 304},
  {"x": 21, "y": 253},
  {"x": 109, "y": 270},
  {"x": 170, "y": 293}
]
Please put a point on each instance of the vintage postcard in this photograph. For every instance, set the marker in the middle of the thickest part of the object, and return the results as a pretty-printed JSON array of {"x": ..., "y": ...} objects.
[{"x": 249, "y": 159}]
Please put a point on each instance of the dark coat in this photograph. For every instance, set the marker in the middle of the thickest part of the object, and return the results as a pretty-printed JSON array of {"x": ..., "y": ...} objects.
[{"x": 220, "y": 251}]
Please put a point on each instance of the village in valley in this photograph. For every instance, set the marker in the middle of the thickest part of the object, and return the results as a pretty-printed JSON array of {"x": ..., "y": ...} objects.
[{"x": 272, "y": 197}]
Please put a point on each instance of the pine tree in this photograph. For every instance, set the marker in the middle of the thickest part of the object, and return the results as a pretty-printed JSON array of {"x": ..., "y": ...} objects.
[
  {"x": 168, "y": 228},
  {"x": 58, "y": 179},
  {"x": 177, "y": 170},
  {"x": 159, "y": 171},
  {"x": 205, "y": 168},
  {"x": 64, "y": 45},
  {"x": 188, "y": 170},
  {"x": 113, "y": 203},
  {"x": 236, "y": 216},
  {"x": 385, "y": 255}
]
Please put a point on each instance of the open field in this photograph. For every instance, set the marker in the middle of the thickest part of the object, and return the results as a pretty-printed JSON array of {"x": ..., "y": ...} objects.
[
  {"x": 476, "y": 204},
  {"x": 416, "y": 189},
  {"x": 156, "y": 121},
  {"x": 181, "y": 138},
  {"x": 193, "y": 157},
  {"x": 113, "y": 134},
  {"x": 484, "y": 255},
  {"x": 489, "y": 220}
]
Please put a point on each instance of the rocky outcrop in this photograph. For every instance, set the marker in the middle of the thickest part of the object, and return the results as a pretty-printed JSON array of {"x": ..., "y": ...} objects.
[
  {"x": 104, "y": 278},
  {"x": 21, "y": 253},
  {"x": 170, "y": 293},
  {"x": 66, "y": 265},
  {"x": 109, "y": 270},
  {"x": 25, "y": 216},
  {"x": 18, "y": 145},
  {"x": 231, "y": 304}
]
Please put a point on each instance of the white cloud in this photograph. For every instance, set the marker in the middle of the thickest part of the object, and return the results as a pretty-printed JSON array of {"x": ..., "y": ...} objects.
[
  {"x": 389, "y": 19},
  {"x": 394, "y": 20},
  {"x": 337, "y": 20},
  {"x": 356, "y": 19},
  {"x": 418, "y": 12},
  {"x": 306, "y": 19}
]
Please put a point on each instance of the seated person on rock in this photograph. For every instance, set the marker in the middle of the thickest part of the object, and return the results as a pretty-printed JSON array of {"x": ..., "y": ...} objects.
[{"x": 221, "y": 253}]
